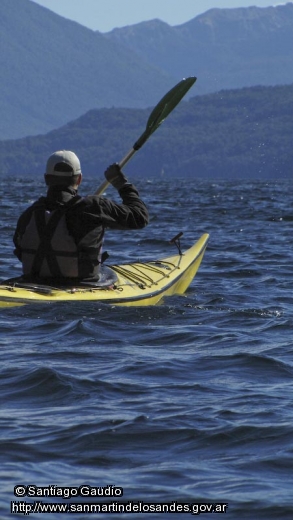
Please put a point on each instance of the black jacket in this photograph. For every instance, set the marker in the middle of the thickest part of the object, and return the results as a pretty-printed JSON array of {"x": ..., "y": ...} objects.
[{"x": 86, "y": 219}]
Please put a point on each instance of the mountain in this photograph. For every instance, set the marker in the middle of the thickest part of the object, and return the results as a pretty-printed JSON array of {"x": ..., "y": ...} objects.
[
  {"x": 233, "y": 134},
  {"x": 54, "y": 70},
  {"x": 224, "y": 48}
]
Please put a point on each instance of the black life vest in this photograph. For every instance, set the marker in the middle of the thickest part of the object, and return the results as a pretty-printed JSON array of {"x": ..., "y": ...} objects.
[{"x": 48, "y": 249}]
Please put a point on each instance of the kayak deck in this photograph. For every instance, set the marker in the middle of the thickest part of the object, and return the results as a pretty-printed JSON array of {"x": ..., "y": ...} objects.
[{"x": 137, "y": 283}]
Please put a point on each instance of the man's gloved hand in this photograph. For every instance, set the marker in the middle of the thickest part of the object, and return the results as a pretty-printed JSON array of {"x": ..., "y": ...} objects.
[{"x": 115, "y": 176}]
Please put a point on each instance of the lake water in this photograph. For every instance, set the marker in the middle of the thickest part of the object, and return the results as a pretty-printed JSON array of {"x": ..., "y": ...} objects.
[{"x": 185, "y": 403}]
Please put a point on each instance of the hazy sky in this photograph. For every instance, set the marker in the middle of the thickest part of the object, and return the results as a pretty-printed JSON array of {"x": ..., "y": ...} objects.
[{"x": 104, "y": 15}]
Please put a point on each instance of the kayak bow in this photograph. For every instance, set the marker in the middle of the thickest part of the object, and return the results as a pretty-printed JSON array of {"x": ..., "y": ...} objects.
[{"x": 137, "y": 283}]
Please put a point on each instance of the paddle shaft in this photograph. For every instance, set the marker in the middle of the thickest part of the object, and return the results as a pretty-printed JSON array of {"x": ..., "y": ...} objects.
[
  {"x": 158, "y": 115},
  {"x": 122, "y": 163}
]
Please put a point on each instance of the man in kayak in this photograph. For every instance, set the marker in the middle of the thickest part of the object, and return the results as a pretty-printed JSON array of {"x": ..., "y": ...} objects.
[{"x": 61, "y": 235}]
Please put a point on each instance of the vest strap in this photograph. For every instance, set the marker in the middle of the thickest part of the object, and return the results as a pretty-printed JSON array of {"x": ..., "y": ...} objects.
[{"x": 46, "y": 231}]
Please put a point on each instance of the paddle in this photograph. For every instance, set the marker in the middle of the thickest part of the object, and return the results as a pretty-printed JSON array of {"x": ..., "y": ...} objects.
[{"x": 158, "y": 115}]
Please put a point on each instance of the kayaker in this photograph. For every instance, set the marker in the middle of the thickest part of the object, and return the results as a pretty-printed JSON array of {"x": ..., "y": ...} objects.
[{"x": 61, "y": 235}]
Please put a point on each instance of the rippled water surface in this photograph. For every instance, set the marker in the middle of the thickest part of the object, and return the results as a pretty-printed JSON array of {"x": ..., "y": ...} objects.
[{"x": 188, "y": 401}]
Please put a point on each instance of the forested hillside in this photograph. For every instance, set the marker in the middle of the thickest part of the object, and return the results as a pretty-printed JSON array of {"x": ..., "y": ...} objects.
[{"x": 245, "y": 133}]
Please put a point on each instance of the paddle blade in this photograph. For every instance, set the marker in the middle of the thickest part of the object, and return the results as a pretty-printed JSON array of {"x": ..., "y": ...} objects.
[
  {"x": 158, "y": 115},
  {"x": 164, "y": 107}
]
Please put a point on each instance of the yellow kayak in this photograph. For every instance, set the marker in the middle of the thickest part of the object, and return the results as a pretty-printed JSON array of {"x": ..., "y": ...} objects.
[{"x": 137, "y": 283}]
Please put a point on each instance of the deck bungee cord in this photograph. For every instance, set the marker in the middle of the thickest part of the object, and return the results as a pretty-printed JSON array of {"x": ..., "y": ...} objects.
[{"x": 143, "y": 280}]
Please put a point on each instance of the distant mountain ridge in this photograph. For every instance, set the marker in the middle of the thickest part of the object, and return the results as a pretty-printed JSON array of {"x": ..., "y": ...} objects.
[
  {"x": 233, "y": 134},
  {"x": 54, "y": 70},
  {"x": 225, "y": 48}
]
